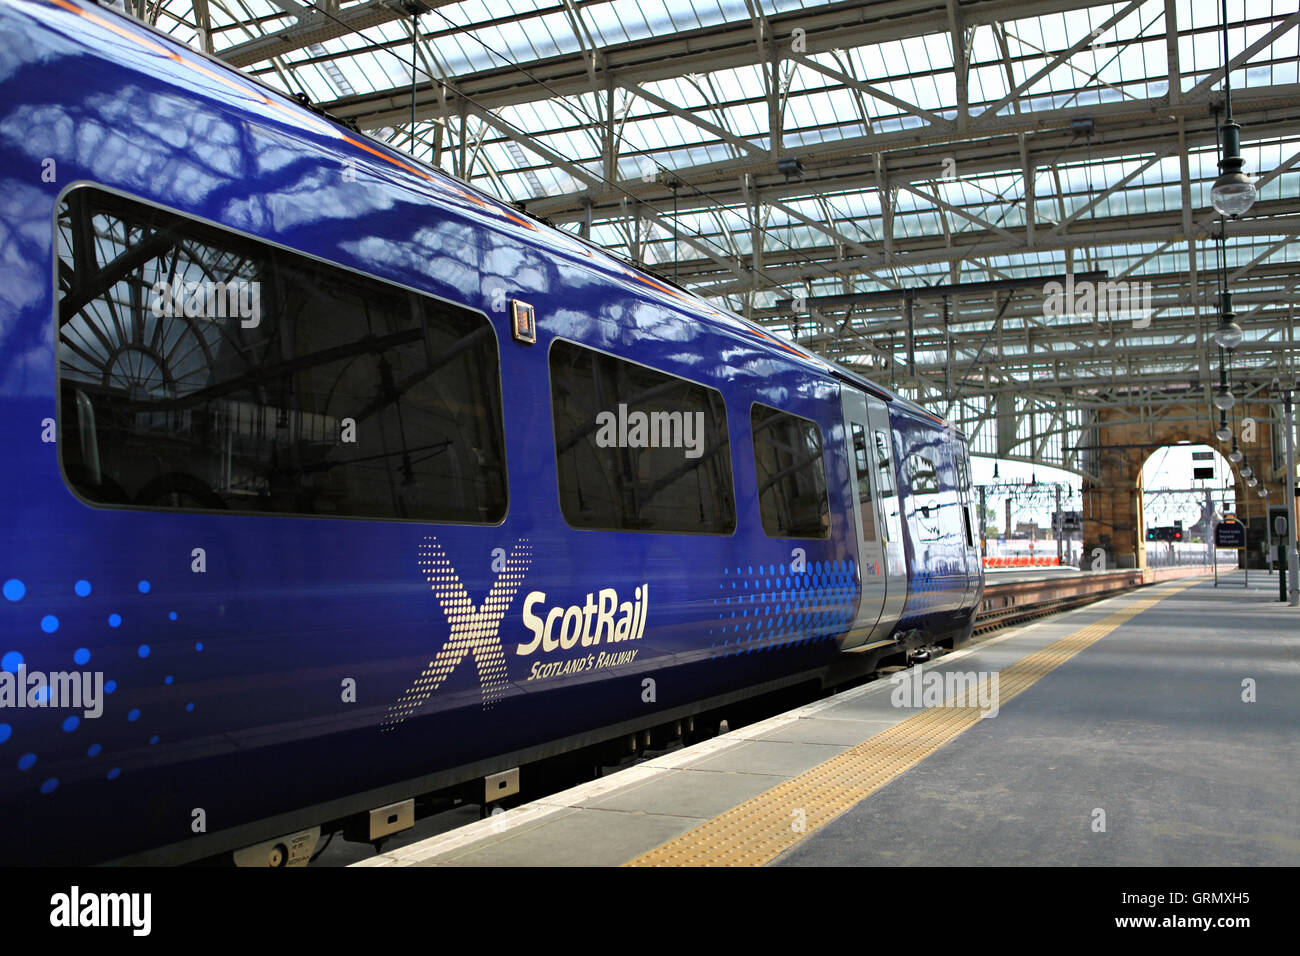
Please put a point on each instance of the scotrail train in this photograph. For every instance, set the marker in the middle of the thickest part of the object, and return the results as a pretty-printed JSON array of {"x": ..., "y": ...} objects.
[{"x": 331, "y": 483}]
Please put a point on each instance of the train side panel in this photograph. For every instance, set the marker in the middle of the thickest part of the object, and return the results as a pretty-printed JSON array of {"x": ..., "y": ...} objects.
[
  {"x": 265, "y": 671},
  {"x": 258, "y": 664}
]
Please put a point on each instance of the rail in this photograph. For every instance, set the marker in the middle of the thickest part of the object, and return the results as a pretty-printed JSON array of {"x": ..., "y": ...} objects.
[{"x": 1013, "y": 599}]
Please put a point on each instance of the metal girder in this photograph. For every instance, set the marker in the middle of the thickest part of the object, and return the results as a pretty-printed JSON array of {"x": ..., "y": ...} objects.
[
  {"x": 958, "y": 211},
  {"x": 316, "y": 26},
  {"x": 1203, "y": 88},
  {"x": 1085, "y": 40},
  {"x": 809, "y": 261},
  {"x": 844, "y": 165},
  {"x": 727, "y": 45},
  {"x": 723, "y": 134},
  {"x": 934, "y": 119},
  {"x": 1112, "y": 189},
  {"x": 761, "y": 230}
]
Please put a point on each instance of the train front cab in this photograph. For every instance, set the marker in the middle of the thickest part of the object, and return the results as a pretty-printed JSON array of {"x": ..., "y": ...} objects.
[{"x": 878, "y": 521}]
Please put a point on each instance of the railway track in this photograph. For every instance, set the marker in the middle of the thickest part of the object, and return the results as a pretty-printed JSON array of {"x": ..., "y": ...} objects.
[{"x": 1016, "y": 600}]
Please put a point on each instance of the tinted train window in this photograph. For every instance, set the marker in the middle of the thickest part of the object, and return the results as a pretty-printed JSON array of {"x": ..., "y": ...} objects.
[
  {"x": 925, "y": 496},
  {"x": 205, "y": 370},
  {"x": 637, "y": 449},
  {"x": 791, "y": 475},
  {"x": 866, "y": 507}
]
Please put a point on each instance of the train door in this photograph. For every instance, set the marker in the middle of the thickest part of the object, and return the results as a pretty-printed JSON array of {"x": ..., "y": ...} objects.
[
  {"x": 970, "y": 522},
  {"x": 876, "y": 518}
]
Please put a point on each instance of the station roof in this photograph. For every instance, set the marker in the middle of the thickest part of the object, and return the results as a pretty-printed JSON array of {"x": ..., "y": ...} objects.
[{"x": 889, "y": 184}]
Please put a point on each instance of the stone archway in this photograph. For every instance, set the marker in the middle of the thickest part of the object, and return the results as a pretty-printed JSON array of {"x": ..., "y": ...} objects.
[
  {"x": 1112, "y": 507},
  {"x": 1208, "y": 500}
]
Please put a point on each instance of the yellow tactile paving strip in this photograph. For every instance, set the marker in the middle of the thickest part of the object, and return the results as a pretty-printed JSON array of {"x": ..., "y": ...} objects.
[{"x": 760, "y": 829}]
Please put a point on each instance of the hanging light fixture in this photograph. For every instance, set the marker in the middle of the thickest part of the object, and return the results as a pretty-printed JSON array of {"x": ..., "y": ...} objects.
[
  {"x": 1228, "y": 335},
  {"x": 1263, "y": 492},
  {"x": 1223, "y": 397},
  {"x": 1223, "y": 432},
  {"x": 1246, "y": 471},
  {"x": 1234, "y": 456},
  {"x": 1233, "y": 192}
]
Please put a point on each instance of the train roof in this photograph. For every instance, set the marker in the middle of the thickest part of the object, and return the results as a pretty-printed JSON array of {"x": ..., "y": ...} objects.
[{"x": 445, "y": 189}]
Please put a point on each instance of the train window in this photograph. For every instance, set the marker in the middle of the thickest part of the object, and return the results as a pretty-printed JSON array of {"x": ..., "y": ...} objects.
[
  {"x": 791, "y": 475},
  {"x": 884, "y": 467},
  {"x": 862, "y": 461},
  {"x": 963, "y": 469},
  {"x": 925, "y": 496},
  {"x": 205, "y": 370},
  {"x": 963, "y": 476},
  {"x": 638, "y": 449}
]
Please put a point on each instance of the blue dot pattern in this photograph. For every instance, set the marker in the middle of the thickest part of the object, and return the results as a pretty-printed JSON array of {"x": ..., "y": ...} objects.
[
  {"x": 926, "y": 590},
  {"x": 15, "y": 590},
  {"x": 762, "y": 607}
]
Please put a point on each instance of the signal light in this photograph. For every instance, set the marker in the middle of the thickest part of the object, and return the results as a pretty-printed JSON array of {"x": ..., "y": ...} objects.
[{"x": 1151, "y": 534}]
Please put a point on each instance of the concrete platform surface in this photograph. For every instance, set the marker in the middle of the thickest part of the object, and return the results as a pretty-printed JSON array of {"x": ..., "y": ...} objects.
[{"x": 1160, "y": 727}]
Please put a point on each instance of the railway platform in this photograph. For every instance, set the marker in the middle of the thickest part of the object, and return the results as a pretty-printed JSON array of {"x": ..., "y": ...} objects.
[{"x": 1156, "y": 727}]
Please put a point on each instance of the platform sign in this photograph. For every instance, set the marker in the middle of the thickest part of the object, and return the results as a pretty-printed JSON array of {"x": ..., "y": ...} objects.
[{"x": 1230, "y": 534}]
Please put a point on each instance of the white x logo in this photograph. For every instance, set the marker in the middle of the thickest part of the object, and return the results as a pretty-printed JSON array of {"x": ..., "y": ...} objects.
[{"x": 474, "y": 631}]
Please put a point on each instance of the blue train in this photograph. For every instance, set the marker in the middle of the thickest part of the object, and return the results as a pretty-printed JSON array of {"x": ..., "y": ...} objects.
[{"x": 330, "y": 483}]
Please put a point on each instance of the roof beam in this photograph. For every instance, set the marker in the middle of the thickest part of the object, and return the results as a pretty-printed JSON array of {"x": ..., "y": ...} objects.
[
  {"x": 692, "y": 117},
  {"x": 1086, "y": 40}
]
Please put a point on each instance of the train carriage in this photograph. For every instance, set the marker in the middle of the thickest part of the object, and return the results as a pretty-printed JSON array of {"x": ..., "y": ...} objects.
[{"x": 332, "y": 483}]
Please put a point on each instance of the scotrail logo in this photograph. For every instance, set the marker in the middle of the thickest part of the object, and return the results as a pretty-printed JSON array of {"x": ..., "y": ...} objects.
[
  {"x": 603, "y": 618},
  {"x": 475, "y": 631},
  {"x": 917, "y": 688}
]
